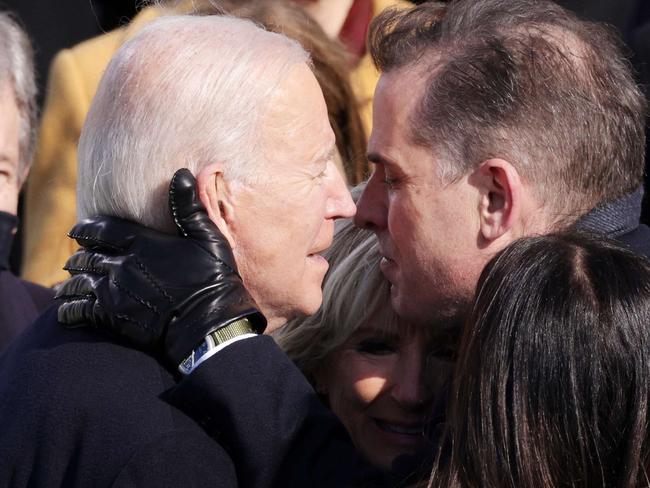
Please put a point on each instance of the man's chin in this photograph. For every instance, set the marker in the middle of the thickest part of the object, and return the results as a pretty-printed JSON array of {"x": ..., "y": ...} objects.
[
  {"x": 407, "y": 308},
  {"x": 398, "y": 302}
]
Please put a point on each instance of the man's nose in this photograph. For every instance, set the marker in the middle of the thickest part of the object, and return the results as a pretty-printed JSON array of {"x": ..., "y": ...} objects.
[
  {"x": 372, "y": 206},
  {"x": 339, "y": 203}
]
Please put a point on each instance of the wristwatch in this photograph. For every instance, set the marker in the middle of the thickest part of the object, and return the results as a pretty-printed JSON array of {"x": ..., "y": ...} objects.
[{"x": 213, "y": 341}]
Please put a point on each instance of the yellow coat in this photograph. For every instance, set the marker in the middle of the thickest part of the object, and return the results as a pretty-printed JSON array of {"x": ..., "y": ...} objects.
[{"x": 50, "y": 204}]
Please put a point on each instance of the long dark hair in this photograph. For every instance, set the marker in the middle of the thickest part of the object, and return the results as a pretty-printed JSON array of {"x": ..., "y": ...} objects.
[{"x": 553, "y": 377}]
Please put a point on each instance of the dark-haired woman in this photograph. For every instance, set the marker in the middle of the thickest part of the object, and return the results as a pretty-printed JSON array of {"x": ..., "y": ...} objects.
[{"x": 553, "y": 376}]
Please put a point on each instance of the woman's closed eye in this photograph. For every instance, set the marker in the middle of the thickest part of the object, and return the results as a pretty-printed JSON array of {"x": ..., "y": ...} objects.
[{"x": 376, "y": 347}]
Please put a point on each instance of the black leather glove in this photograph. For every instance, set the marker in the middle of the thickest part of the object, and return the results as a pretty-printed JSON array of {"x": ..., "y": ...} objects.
[{"x": 164, "y": 293}]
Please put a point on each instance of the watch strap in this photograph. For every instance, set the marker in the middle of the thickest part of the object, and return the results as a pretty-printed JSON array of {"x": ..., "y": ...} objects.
[{"x": 230, "y": 331}]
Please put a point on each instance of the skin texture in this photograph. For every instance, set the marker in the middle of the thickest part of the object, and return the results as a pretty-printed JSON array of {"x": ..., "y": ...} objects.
[
  {"x": 379, "y": 382},
  {"x": 9, "y": 151},
  {"x": 278, "y": 224},
  {"x": 435, "y": 236}
]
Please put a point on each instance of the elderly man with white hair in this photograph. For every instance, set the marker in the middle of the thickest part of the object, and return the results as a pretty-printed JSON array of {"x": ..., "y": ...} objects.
[
  {"x": 20, "y": 301},
  {"x": 240, "y": 108}
]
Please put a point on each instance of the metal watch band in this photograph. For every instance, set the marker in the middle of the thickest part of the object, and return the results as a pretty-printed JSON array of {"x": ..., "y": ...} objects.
[
  {"x": 230, "y": 331},
  {"x": 214, "y": 339}
]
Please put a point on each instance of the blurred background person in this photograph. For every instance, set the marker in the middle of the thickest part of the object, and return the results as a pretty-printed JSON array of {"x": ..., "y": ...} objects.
[
  {"x": 552, "y": 382},
  {"x": 20, "y": 302},
  {"x": 347, "y": 77},
  {"x": 348, "y": 21},
  {"x": 52, "y": 25},
  {"x": 377, "y": 373}
]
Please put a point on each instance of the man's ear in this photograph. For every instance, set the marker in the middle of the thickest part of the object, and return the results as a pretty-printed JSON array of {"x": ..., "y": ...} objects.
[
  {"x": 213, "y": 195},
  {"x": 501, "y": 198}
]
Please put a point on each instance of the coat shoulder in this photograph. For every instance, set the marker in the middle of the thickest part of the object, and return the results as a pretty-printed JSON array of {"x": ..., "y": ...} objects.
[{"x": 76, "y": 398}]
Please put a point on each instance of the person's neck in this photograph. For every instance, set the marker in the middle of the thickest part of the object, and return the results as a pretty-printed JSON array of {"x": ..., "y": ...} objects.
[{"x": 274, "y": 323}]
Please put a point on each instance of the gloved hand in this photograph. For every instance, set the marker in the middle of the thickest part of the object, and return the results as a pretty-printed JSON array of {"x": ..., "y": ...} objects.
[{"x": 164, "y": 293}]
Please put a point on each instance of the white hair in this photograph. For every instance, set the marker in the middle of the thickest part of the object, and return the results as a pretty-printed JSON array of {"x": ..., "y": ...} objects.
[
  {"x": 17, "y": 69},
  {"x": 186, "y": 91}
]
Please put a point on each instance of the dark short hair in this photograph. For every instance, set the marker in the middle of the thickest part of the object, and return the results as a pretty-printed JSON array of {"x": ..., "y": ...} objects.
[
  {"x": 527, "y": 81},
  {"x": 553, "y": 376}
]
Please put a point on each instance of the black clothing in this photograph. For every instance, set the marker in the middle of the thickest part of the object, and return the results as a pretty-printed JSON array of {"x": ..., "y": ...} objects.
[
  {"x": 78, "y": 409},
  {"x": 620, "y": 221},
  {"x": 21, "y": 302},
  {"x": 281, "y": 415},
  {"x": 311, "y": 446}
]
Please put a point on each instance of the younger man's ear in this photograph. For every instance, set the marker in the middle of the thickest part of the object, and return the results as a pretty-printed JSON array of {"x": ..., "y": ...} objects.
[
  {"x": 501, "y": 193},
  {"x": 212, "y": 192}
]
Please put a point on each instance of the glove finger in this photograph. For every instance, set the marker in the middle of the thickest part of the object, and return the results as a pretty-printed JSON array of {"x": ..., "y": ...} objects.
[
  {"x": 78, "y": 312},
  {"x": 123, "y": 272},
  {"x": 78, "y": 286},
  {"x": 109, "y": 234},
  {"x": 87, "y": 312},
  {"x": 86, "y": 262},
  {"x": 192, "y": 219},
  {"x": 104, "y": 303}
]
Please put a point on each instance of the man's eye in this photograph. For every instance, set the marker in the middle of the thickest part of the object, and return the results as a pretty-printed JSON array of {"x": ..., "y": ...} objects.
[
  {"x": 390, "y": 182},
  {"x": 376, "y": 347}
]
